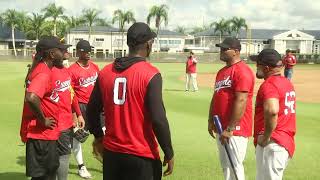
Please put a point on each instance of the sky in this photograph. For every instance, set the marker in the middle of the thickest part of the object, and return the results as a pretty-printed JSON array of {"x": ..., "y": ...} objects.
[{"x": 259, "y": 14}]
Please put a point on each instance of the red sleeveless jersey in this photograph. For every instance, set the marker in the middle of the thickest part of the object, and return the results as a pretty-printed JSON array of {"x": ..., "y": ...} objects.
[{"x": 128, "y": 125}]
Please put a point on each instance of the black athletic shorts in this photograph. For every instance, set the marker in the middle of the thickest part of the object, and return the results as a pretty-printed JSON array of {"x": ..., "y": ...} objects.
[
  {"x": 65, "y": 142},
  {"x": 42, "y": 157},
  {"x": 119, "y": 166},
  {"x": 83, "y": 109}
]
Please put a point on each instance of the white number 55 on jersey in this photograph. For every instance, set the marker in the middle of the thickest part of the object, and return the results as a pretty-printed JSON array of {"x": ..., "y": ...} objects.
[{"x": 289, "y": 102}]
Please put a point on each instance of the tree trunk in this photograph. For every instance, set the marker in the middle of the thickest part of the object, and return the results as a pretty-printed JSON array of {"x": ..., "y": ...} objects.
[
  {"x": 13, "y": 41},
  {"x": 54, "y": 28},
  {"x": 89, "y": 34},
  {"x": 122, "y": 43},
  {"x": 158, "y": 43}
]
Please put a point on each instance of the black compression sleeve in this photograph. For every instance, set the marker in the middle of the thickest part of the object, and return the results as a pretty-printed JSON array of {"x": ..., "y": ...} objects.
[
  {"x": 94, "y": 109},
  {"x": 157, "y": 111}
]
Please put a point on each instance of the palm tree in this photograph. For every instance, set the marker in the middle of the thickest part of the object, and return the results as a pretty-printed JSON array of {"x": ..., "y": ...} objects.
[
  {"x": 12, "y": 18},
  {"x": 73, "y": 21},
  {"x": 223, "y": 26},
  {"x": 36, "y": 23},
  {"x": 54, "y": 12},
  {"x": 123, "y": 17},
  {"x": 91, "y": 17},
  {"x": 160, "y": 13},
  {"x": 237, "y": 24},
  {"x": 181, "y": 29}
]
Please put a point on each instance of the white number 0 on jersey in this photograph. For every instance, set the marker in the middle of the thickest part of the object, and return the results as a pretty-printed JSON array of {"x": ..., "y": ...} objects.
[
  {"x": 289, "y": 102},
  {"x": 117, "y": 82}
]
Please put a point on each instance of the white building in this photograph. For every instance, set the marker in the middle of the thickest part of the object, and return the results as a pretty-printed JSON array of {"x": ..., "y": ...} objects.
[
  {"x": 255, "y": 40},
  {"x": 107, "y": 41}
]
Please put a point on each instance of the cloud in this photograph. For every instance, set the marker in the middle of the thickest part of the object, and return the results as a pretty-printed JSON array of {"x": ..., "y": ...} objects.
[{"x": 271, "y": 14}]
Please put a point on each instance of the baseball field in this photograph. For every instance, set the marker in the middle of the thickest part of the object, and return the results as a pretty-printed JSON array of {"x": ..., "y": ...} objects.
[{"x": 195, "y": 152}]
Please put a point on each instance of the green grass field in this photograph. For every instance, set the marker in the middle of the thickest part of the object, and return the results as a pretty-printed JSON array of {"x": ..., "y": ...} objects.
[{"x": 195, "y": 152}]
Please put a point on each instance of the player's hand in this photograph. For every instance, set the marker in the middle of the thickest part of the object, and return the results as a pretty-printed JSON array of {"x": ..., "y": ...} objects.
[
  {"x": 212, "y": 129},
  {"x": 50, "y": 122},
  {"x": 81, "y": 122},
  {"x": 225, "y": 136},
  {"x": 170, "y": 163},
  {"x": 74, "y": 119},
  {"x": 263, "y": 141},
  {"x": 97, "y": 148}
]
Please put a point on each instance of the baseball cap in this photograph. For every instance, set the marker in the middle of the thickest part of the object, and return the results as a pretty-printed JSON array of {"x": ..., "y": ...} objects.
[
  {"x": 230, "y": 42},
  {"x": 50, "y": 42},
  {"x": 268, "y": 57},
  {"x": 139, "y": 33},
  {"x": 84, "y": 46}
]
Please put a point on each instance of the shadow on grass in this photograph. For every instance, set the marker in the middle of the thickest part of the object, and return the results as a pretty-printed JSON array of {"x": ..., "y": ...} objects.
[
  {"x": 21, "y": 160},
  {"x": 13, "y": 176}
]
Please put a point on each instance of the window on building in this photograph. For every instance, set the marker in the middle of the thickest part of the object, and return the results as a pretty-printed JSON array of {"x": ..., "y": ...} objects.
[
  {"x": 78, "y": 39},
  {"x": 290, "y": 35},
  {"x": 298, "y": 35},
  {"x": 99, "y": 39},
  {"x": 163, "y": 41}
]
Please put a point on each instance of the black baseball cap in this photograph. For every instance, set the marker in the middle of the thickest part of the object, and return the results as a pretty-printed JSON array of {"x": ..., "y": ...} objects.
[
  {"x": 230, "y": 42},
  {"x": 84, "y": 46},
  {"x": 50, "y": 42},
  {"x": 268, "y": 57},
  {"x": 139, "y": 33}
]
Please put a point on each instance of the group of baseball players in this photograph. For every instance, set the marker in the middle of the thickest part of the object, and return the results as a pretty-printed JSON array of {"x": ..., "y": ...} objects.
[
  {"x": 274, "y": 113},
  {"x": 122, "y": 106},
  {"x": 54, "y": 121}
]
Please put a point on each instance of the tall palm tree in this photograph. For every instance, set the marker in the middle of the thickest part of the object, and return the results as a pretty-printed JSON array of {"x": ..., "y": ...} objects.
[
  {"x": 123, "y": 17},
  {"x": 237, "y": 24},
  {"x": 223, "y": 26},
  {"x": 54, "y": 12},
  {"x": 73, "y": 21},
  {"x": 36, "y": 22},
  {"x": 181, "y": 29},
  {"x": 12, "y": 18},
  {"x": 160, "y": 13},
  {"x": 91, "y": 17}
]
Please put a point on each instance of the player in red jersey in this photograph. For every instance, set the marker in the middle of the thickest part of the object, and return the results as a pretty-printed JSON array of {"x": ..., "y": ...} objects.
[
  {"x": 232, "y": 102},
  {"x": 67, "y": 104},
  {"x": 191, "y": 72},
  {"x": 41, "y": 112},
  {"x": 130, "y": 93},
  {"x": 83, "y": 77},
  {"x": 289, "y": 60},
  {"x": 275, "y": 117}
]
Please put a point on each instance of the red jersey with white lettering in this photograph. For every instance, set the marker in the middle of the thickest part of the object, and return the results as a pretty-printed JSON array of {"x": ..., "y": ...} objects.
[
  {"x": 40, "y": 83},
  {"x": 83, "y": 80},
  {"x": 62, "y": 85},
  {"x": 282, "y": 89},
  {"x": 289, "y": 61},
  {"x": 229, "y": 80},
  {"x": 191, "y": 65},
  {"x": 128, "y": 125}
]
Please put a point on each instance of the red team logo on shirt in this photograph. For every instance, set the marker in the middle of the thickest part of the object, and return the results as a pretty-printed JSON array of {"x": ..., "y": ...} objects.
[
  {"x": 88, "y": 81},
  {"x": 225, "y": 83},
  {"x": 60, "y": 87}
]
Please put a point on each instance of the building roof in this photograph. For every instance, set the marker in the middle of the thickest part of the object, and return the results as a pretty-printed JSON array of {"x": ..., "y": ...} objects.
[
  {"x": 94, "y": 29},
  {"x": 106, "y": 29},
  {"x": 170, "y": 33},
  {"x": 259, "y": 33},
  {"x": 5, "y": 34}
]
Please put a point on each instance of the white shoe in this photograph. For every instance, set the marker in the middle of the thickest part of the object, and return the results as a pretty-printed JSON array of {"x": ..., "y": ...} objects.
[{"x": 84, "y": 173}]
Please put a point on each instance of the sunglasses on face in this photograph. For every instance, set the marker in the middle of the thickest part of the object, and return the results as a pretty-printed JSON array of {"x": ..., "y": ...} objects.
[{"x": 226, "y": 49}]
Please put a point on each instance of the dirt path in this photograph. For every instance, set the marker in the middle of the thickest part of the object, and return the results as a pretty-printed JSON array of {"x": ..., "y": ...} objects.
[{"x": 306, "y": 83}]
